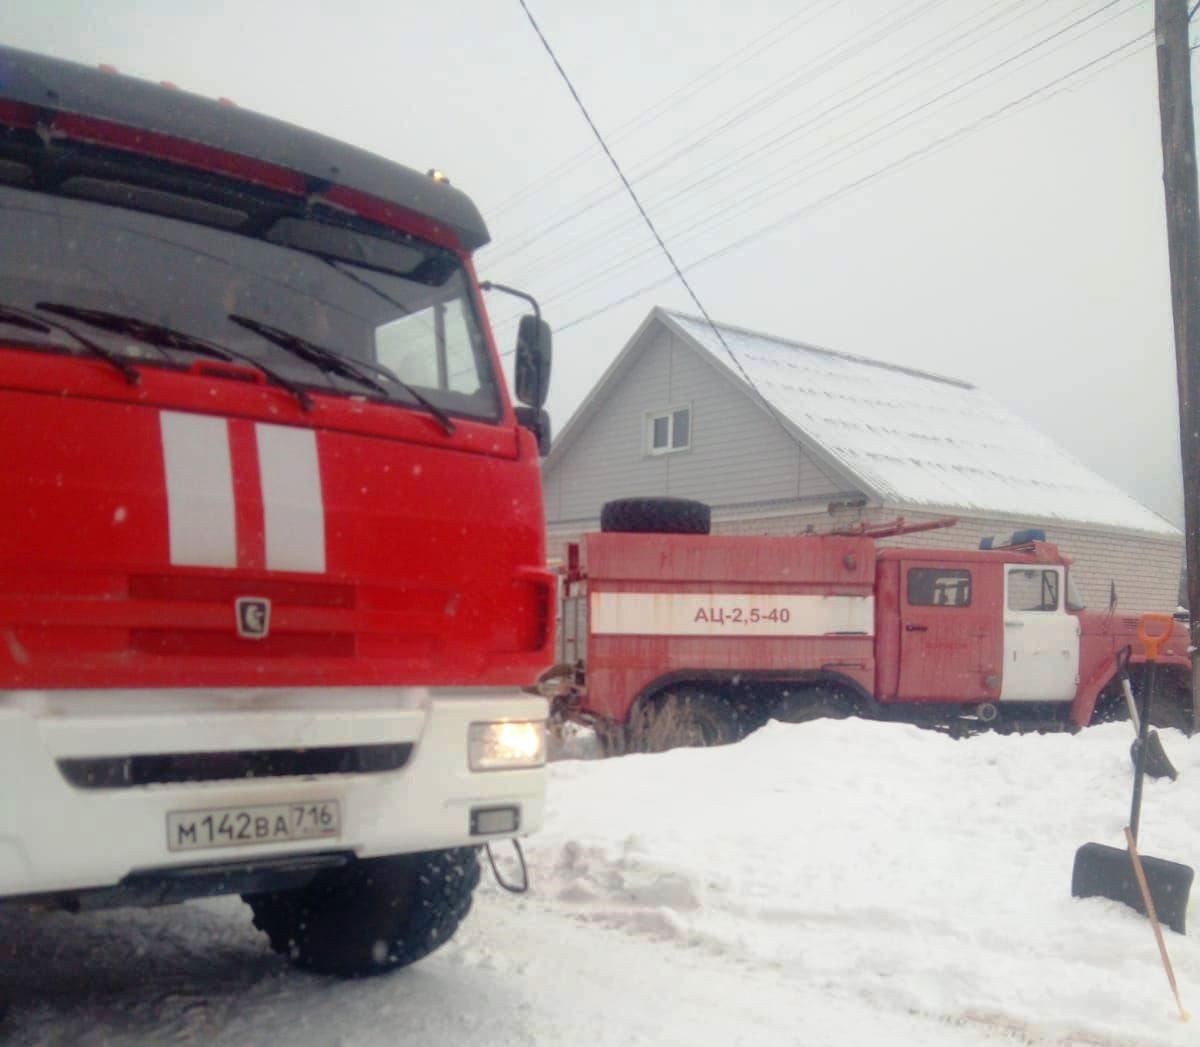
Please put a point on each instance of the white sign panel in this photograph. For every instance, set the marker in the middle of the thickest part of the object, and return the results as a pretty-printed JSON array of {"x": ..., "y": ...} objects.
[{"x": 730, "y": 614}]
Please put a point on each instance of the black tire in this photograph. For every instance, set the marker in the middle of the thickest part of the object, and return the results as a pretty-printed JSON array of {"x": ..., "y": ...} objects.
[
  {"x": 656, "y": 516},
  {"x": 803, "y": 704},
  {"x": 1173, "y": 703},
  {"x": 1110, "y": 705},
  {"x": 373, "y": 915},
  {"x": 683, "y": 718},
  {"x": 1172, "y": 699}
]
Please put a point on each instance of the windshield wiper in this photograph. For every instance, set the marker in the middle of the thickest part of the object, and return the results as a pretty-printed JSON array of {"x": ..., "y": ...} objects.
[
  {"x": 26, "y": 323},
  {"x": 162, "y": 337},
  {"x": 32, "y": 322},
  {"x": 333, "y": 362}
]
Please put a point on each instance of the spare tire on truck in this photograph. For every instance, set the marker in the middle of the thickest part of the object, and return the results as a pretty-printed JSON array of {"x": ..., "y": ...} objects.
[{"x": 656, "y": 516}]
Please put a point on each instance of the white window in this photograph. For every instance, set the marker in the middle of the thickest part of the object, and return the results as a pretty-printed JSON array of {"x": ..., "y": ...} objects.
[
  {"x": 433, "y": 348},
  {"x": 1032, "y": 589},
  {"x": 669, "y": 431}
]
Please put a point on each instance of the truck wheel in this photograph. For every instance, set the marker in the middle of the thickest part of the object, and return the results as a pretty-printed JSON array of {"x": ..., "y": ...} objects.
[
  {"x": 685, "y": 718},
  {"x": 656, "y": 516},
  {"x": 373, "y": 915},
  {"x": 811, "y": 703},
  {"x": 1173, "y": 702}
]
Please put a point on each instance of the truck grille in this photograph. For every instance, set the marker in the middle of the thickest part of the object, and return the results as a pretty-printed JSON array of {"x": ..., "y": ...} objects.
[
  {"x": 204, "y": 592},
  {"x": 124, "y": 772},
  {"x": 198, "y": 588},
  {"x": 211, "y": 643}
]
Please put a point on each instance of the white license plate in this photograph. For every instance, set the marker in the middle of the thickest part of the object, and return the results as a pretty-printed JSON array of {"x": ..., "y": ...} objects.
[{"x": 246, "y": 826}]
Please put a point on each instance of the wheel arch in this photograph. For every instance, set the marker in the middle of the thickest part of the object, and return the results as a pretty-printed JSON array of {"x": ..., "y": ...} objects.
[
  {"x": 731, "y": 678},
  {"x": 1108, "y": 676}
]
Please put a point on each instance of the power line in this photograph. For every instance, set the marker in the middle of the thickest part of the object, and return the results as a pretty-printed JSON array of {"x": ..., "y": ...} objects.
[
  {"x": 633, "y": 195},
  {"x": 832, "y": 149},
  {"x": 705, "y": 80},
  {"x": 836, "y": 154},
  {"x": 732, "y": 117},
  {"x": 994, "y": 115},
  {"x": 917, "y": 154},
  {"x": 755, "y": 148},
  {"x": 733, "y": 209}
]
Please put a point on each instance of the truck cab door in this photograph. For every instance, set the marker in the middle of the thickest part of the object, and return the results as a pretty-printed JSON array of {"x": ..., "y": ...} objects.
[
  {"x": 1041, "y": 640},
  {"x": 943, "y": 633}
]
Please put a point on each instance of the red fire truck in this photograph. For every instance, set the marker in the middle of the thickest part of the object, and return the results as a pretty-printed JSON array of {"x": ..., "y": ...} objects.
[
  {"x": 689, "y": 638},
  {"x": 272, "y": 570}
]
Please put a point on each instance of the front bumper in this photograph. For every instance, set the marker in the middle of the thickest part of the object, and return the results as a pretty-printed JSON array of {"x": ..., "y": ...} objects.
[{"x": 58, "y": 837}]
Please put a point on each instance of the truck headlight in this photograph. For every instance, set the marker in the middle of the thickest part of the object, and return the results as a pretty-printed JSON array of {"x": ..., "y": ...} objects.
[{"x": 507, "y": 746}]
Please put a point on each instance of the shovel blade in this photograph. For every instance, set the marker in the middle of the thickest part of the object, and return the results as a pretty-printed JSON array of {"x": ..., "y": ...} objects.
[
  {"x": 1107, "y": 872},
  {"x": 1158, "y": 764}
]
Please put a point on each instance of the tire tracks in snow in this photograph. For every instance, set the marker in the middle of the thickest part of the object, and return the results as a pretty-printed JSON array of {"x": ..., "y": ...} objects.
[
  {"x": 621, "y": 888},
  {"x": 102, "y": 978}
]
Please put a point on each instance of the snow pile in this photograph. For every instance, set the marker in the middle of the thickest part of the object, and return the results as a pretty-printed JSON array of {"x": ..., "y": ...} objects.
[
  {"x": 889, "y": 866},
  {"x": 834, "y": 884}
]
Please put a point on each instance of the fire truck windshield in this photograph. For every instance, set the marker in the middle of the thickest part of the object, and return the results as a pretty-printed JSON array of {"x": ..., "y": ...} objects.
[{"x": 378, "y": 299}]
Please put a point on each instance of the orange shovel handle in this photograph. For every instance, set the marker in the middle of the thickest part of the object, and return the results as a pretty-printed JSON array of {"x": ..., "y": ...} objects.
[{"x": 1152, "y": 641}]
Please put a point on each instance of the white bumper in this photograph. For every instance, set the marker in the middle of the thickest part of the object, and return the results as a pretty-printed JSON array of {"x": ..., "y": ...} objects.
[{"x": 55, "y": 836}]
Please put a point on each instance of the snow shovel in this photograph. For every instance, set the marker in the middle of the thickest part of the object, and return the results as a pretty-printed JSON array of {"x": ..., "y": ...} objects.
[
  {"x": 1158, "y": 764},
  {"x": 1109, "y": 872}
]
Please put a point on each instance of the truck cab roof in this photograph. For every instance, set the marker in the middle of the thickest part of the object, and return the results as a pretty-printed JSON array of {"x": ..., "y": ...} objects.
[
  {"x": 52, "y": 86},
  {"x": 1031, "y": 553}
]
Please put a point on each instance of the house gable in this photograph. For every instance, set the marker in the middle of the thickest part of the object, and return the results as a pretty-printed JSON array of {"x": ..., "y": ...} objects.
[
  {"x": 606, "y": 452},
  {"x": 738, "y": 454}
]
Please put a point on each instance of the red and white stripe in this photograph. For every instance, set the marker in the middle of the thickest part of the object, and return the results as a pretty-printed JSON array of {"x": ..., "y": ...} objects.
[
  {"x": 730, "y": 614},
  {"x": 242, "y": 494}
]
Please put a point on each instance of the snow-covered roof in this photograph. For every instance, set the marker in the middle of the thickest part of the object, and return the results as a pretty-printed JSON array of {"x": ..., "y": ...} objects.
[{"x": 917, "y": 439}]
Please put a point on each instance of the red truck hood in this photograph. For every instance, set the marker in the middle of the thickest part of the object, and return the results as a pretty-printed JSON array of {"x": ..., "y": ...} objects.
[
  {"x": 381, "y": 550},
  {"x": 1115, "y": 630}
]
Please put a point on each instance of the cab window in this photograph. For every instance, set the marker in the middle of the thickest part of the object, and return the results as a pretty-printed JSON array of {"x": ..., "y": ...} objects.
[
  {"x": 938, "y": 587},
  {"x": 1032, "y": 589}
]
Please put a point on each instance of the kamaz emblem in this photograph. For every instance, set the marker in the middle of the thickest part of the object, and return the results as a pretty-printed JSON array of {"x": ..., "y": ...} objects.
[{"x": 253, "y": 617}]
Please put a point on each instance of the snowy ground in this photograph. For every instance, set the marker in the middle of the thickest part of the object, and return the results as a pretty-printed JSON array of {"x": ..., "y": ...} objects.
[{"x": 829, "y": 883}]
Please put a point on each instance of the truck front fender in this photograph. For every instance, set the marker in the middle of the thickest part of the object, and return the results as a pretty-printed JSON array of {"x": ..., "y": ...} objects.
[{"x": 1084, "y": 706}]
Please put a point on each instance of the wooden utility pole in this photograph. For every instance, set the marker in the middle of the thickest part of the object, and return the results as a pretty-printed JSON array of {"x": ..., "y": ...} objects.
[{"x": 1183, "y": 248}]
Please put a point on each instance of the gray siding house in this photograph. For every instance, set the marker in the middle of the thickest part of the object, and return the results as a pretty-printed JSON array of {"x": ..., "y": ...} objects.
[{"x": 784, "y": 438}]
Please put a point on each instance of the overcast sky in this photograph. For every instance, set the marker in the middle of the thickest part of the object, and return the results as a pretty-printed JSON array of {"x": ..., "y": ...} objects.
[{"x": 1020, "y": 246}]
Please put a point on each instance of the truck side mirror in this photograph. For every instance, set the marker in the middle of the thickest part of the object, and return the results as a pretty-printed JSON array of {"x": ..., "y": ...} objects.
[
  {"x": 537, "y": 422},
  {"x": 532, "y": 371}
]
